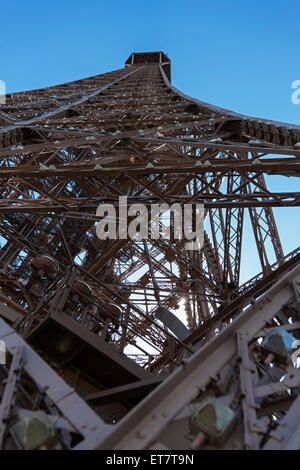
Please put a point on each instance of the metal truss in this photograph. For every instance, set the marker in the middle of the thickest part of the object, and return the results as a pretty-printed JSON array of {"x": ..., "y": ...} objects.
[
  {"x": 80, "y": 301},
  {"x": 28, "y": 385},
  {"x": 231, "y": 370}
]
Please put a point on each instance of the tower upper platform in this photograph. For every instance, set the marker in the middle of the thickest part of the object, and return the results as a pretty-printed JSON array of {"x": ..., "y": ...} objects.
[{"x": 139, "y": 58}]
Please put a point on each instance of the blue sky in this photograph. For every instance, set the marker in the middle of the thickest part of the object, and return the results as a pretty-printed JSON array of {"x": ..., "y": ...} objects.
[{"x": 239, "y": 55}]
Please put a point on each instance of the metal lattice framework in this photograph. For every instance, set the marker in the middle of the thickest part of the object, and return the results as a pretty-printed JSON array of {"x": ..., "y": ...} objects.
[
  {"x": 76, "y": 299},
  {"x": 229, "y": 371}
]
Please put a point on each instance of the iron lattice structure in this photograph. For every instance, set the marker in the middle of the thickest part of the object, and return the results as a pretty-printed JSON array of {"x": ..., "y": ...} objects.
[{"x": 80, "y": 301}]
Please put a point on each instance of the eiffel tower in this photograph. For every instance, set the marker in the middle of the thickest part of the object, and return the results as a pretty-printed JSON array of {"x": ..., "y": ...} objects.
[{"x": 105, "y": 322}]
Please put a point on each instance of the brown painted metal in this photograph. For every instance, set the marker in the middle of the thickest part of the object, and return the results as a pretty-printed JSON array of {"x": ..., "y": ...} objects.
[
  {"x": 230, "y": 368},
  {"x": 66, "y": 149}
]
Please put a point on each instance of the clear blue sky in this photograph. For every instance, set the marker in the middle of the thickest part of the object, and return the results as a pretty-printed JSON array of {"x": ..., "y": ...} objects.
[{"x": 241, "y": 55}]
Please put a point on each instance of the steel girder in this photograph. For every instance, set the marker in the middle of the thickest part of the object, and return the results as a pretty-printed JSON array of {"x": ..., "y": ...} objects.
[
  {"x": 28, "y": 384},
  {"x": 230, "y": 369}
]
